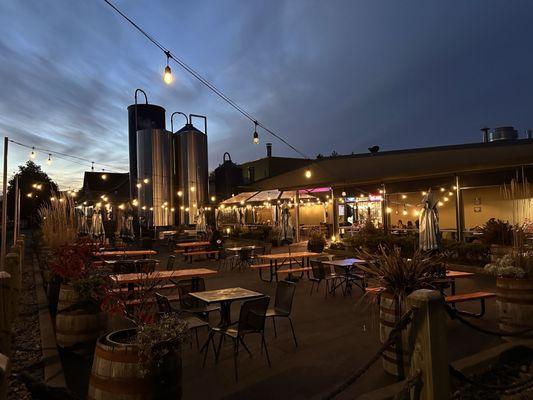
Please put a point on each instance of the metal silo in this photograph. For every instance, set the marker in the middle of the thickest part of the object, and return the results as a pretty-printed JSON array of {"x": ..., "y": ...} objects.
[
  {"x": 191, "y": 169},
  {"x": 155, "y": 159},
  {"x": 149, "y": 116}
]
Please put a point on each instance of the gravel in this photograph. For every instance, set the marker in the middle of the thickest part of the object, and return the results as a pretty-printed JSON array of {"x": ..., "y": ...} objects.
[{"x": 26, "y": 355}]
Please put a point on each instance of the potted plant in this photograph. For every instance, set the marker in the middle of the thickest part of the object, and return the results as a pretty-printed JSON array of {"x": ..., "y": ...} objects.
[
  {"x": 514, "y": 282},
  {"x": 397, "y": 277},
  {"x": 499, "y": 235},
  {"x": 78, "y": 318},
  {"x": 514, "y": 271},
  {"x": 148, "y": 354},
  {"x": 316, "y": 242}
]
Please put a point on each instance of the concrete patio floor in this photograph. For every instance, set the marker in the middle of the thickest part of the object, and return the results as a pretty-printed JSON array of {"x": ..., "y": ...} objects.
[{"x": 335, "y": 336}]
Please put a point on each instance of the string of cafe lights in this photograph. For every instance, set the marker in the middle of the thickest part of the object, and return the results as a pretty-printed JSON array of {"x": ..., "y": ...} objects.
[{"x": 62, "y": 156}]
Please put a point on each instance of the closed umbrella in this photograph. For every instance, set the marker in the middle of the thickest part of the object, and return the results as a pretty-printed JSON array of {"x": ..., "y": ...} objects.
[
  {"x": 200, "y": 220},
  {"x": 429, "y": 235},
  {"x": 83, "y": 228},
  {"x": 97, "y": 226},
  {"x": 126, "y": 232}
]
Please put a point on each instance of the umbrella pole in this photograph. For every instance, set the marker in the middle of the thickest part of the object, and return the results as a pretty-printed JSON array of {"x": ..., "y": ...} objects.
[{"x": 297, "y": 215}]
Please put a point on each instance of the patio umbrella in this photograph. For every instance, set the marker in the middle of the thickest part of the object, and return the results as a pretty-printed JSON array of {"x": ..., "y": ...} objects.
[
  {"x": 97, "y": 226},
  {"x": 286, "y": 225},
  {"x": 127, "y": 228},
  {"x": 200, "y": 220},
  {"x": 83, "y": 228},
  {"x": 275, "y": 219},
  {"x": 429, "y": 235}
]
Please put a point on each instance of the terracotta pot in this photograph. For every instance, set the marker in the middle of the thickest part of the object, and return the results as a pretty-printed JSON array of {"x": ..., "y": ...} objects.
[
  {"x": 116, "y": 374},
  {"x": 515, "y": 304},
  {"x": 397, "y": 358}
]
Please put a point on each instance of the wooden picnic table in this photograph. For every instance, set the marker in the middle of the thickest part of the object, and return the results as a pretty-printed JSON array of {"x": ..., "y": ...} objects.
[
  {"x": 277, "y": 260},
  {"x": 189, "y": 245},
  {"x": 225, "y": 297},
  {"x": 135, "y": 278},
  {"x": 124, "y": 253}
]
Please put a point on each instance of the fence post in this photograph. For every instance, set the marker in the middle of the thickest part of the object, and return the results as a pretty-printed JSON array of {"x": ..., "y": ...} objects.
[
  {"x": 430, "y": 352},
  {"x": 13, "y": 268},
  {"x": 5, "y": 370},
  {"x": 6, "y": 312}
]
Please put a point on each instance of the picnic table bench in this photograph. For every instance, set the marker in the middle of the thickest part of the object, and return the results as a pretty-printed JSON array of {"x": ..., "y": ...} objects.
[
  {"x": 277, "y": 260},
  {"x": 124, "y": 253}
]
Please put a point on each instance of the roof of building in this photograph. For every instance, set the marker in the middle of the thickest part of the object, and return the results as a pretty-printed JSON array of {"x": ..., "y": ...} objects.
[
  {"x": 398, "y": 165},
  {"x": 114, "y": 185}
]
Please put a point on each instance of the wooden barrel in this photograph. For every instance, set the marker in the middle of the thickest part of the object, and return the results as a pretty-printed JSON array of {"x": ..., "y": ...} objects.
[
  {"x": 67, "y": 297},
  {"x": 77, "y": 327},
  {"x": 515, "y": 304},
  {"x": 396, "y": 359},
  {"x": 116, "y": 374}
]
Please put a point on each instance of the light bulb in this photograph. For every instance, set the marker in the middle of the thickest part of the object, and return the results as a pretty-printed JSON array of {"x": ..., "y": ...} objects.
[
  {"x": 104, "y": 176},
  {"x": 33, "y": 154},
  {"x": 343, "y": 194},
  {"x": 139, "y": 185},
  {"x": 213, "y": 199},
  {"x": 388, "y": 210},
  {"x": 167, "y": 76},
  {"x": 146, "y": 180},
  {"x": 404, "y": 196},
  {"x": 256, "y": 138},
  {"x": 193, "y": 188},
  {"x": 308, "y": 173},
  {"x": 49, "y": 161}
]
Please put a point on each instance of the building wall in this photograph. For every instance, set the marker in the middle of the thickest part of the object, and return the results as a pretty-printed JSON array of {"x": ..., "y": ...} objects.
[{"x": 482, "y": 204}]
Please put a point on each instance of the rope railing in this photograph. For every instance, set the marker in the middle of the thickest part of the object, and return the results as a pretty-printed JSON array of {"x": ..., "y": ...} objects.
[
  {"x": 402, "y": 323},
  {"x": 454, "y": 314},
  {"x": 507, "y": 389}
]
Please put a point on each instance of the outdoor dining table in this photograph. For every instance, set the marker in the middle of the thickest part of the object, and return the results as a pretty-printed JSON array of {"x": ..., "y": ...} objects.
[
  {"x": 451, "y": 276},
  {"x": 140, "y": 278},
  {"x": 225, "y": 297},
  {"x": 189, "y": 246},
  {"x": 124, "y": 253},
  {"x": 244, "y": 254},
  {"x": 348, "y": 265},
  {"x": 277, "y": 260}
]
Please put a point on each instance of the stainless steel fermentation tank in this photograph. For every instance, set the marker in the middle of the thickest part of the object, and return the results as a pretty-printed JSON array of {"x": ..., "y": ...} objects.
[
  {"x": 155, "y": 161},
  {"x": 190, "y": 146},
  {"x": 141, "y": 116}
]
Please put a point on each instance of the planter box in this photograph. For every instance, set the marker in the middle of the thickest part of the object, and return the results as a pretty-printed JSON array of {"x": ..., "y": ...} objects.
[{"x": 515, "y": 304}]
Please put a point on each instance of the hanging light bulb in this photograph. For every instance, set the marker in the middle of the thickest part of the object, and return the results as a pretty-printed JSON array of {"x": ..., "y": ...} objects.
[
  {"x": 308, "y": 173},
  {"x": 256, "y": 135},
  {"x": 343, "y": 194},
  {"x": 167, "y": 76},
  {"x": 33, "y": 154},
  {"x": 49, "y": 161}
]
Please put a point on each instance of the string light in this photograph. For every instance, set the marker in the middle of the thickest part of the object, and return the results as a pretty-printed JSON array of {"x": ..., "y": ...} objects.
[
  {"x": 404, "y": 196},
  {"x": 49, "y": 161},
  {"x": 213, "y": 199},
  {"x": 388, "y": 210},
  {"x": 146, "y": 180},
  {"x": 103, "y": 176},
  {"x": 343, "y": 194},
  {"x": 33, "y": 154},
  {"x": 256, "y": 135},
  {"x": 193, "y": 189},
  {"x": 180, "y": 193},
  {"x": 167, "y": 76},
  {"x": 308, "y": 173},
  {"x": 139, "y": 185}
]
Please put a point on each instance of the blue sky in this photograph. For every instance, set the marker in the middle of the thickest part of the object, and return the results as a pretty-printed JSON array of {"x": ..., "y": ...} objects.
[{"x": 327, "y": 75}]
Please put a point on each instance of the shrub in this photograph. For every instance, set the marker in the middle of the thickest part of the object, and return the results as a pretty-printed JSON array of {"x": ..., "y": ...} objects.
[
  {"x": 470, "y": 253},
  {"x": 371, "y": 242},
  {"x": 496, "y": 231}
]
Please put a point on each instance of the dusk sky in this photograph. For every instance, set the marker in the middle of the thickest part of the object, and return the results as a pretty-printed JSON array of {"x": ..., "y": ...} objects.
[{"x": 326, "y": 75}]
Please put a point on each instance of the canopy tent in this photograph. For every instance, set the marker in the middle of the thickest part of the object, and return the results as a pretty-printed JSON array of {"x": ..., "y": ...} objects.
[
  {"x": 267, "y": 196},
  {"x": 237, "y": 199}
]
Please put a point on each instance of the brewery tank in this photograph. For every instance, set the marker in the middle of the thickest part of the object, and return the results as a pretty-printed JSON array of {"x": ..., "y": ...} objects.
[
  {"x": 191, "y": 170},
  {"x": 149, "y": 116},
  {"x": 155, "y": 159}
]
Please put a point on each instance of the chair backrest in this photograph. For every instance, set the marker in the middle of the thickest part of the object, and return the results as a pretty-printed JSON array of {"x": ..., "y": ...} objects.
[
  {"x": 252, "y": 315},
  {"x": 162, "y": 304},
  {"x": 318, "y": 269},
  {"x": 146, "y": 266},
  {"x": 170, "y": 263},
  {"x": 187, "y": 286},
  {"x": 284, "y": 296},
  {"x": 267, "y": 248},
  {"x": 123, "y": 267}
]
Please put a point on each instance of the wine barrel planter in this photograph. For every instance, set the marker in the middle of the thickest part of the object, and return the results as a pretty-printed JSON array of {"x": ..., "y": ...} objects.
[
  {"x": 75, "y": 326},
  {"x": 397, "y": 358},
  {"x": 116, "y": 374},
  {"x": 67, "y": 297},
  {"x": 515, "y": 304}
]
